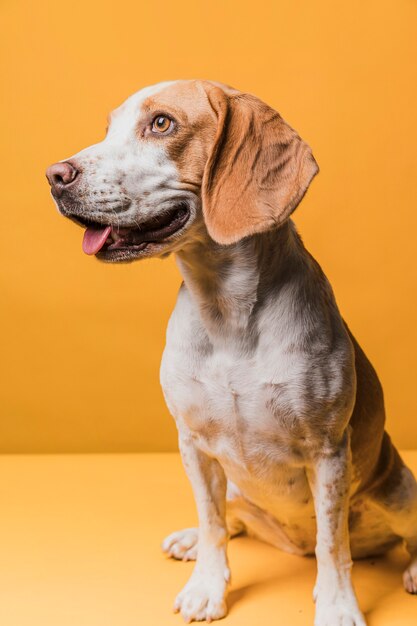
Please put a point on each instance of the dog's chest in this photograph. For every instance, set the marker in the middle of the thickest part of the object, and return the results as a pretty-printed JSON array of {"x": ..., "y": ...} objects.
[
  {"x": 245, "y": 410},
  {"x": 232, "y": 408},
  {"x": 234, "y": 416}
]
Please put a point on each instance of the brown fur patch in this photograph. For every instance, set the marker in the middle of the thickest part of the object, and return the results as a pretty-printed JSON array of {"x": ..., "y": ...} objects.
[
  {"x": 258, "y": 171},
  {"x": 189, "y": 146},
  {"x": 252, "y": 167}
]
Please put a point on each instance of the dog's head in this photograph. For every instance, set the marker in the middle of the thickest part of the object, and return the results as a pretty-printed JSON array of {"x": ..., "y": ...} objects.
[{"x": 180, "y": 157}]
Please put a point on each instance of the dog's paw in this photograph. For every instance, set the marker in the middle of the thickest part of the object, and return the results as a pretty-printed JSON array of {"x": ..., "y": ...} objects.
[
  {"x": 182, "y": 544},
  {"x": 336, "y": 615},
  {"x": 410, "y": 578},
  {"x": 203, "y": 598}
]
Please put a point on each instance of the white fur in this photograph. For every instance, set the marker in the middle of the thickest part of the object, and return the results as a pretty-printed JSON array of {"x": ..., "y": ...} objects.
[{"x": 130, "y": 178}]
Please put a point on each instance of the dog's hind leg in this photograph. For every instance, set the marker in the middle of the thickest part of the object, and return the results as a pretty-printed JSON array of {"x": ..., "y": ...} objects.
[
  {"x": 396, "y": 495},
  {"x": 401, "y": 511},
  {"x": 181, "y": 544},
  {"x": 404, "y": 523}
]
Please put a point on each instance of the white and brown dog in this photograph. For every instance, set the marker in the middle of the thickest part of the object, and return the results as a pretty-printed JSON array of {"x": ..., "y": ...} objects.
[{"x": 279, "y": 412}]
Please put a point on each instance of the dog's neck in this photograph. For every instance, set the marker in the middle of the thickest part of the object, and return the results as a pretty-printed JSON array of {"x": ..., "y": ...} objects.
[{"x": 227, "y": 282}]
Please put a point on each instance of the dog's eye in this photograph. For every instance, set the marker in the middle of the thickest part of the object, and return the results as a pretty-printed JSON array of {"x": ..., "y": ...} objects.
[{"x": 161, "y": 124}]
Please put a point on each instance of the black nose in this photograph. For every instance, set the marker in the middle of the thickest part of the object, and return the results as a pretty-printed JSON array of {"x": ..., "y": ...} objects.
[{"x": 59, "y": 175}]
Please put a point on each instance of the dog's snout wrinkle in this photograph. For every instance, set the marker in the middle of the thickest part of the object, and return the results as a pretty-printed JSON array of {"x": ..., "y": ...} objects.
[{"x": 108, "y": 207}]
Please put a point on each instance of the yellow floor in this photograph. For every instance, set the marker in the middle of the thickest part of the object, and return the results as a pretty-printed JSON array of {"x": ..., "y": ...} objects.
[{"x": 80, "y": 538}]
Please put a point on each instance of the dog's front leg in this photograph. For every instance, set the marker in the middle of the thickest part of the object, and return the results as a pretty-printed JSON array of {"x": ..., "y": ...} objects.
[
  {"x": 329, "y": 477},
  {"x": 204, "y": 596}
]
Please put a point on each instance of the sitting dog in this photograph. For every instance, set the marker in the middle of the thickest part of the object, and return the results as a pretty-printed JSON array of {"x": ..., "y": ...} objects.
[{"x": 279, "y": 412}]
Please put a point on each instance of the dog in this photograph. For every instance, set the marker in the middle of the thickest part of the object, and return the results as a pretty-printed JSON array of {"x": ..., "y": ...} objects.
[{"x": 280, "y": 414}]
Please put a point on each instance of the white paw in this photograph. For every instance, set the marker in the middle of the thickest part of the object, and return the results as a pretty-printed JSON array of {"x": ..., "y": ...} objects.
[
  {"x": 410, "y": 578},
  {"x": 203, "y": 598},
  {"x": 338, "y": 615},
  {"x": 182, "y": 544}
]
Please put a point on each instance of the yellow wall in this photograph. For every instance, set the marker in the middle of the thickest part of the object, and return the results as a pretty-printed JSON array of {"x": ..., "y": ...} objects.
[{"x": 82, "y": 341}]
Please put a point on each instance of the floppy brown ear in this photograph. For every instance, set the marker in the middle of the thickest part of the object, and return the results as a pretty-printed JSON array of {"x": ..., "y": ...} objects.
[{"x": 258, "y": 171}]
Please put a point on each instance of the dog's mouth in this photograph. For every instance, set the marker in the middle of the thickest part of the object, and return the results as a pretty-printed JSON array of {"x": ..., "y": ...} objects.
[{"x": 105, "y": 239}]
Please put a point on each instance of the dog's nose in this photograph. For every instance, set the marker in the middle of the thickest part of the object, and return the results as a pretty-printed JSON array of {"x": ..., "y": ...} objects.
[{"x": 59, "y": 175}]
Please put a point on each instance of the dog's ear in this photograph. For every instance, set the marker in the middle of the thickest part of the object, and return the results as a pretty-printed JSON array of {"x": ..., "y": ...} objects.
[{"x": 258, "y": 170}]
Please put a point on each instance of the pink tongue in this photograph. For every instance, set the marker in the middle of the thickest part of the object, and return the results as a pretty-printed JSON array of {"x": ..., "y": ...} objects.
[{"x": 94, "y": 239}]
